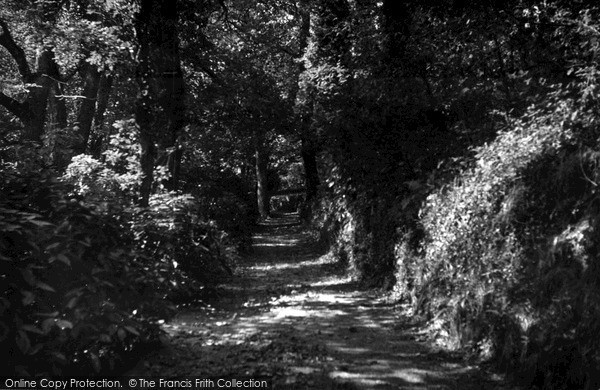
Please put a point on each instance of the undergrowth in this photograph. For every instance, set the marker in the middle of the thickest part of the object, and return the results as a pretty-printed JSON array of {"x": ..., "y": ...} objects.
[
  {"x": 507, "y": 266},
  {"x": 88, "y": 276}
]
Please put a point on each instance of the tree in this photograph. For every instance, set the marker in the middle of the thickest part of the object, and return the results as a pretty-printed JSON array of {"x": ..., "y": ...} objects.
[
  {"x": 302, "y": 96},
  {"x": 75, "y": 45},
  {"x": 160, "y": 109},
  {"x": 38, "y": 82}
]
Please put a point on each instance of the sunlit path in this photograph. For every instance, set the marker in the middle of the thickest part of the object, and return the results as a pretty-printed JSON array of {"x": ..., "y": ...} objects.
[{"x": 289, "y": 314}]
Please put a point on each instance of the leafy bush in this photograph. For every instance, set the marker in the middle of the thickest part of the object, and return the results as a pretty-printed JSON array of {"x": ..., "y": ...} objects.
[
  {"x": 358, "y": 227},
  {"x": 73, "y": 295},
  {"x": 172, "y": 232},
  {"x": 506, "y": 264},
  {"x": 116, "y": 178},
  {"x": 88, "y": 275},
  {"x": 225, "y": 198},
  {"x": 230, "y": 213}
]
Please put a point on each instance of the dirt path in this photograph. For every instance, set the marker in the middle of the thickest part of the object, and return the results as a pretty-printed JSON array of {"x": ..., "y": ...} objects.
[{"x": 288, "y": 315}]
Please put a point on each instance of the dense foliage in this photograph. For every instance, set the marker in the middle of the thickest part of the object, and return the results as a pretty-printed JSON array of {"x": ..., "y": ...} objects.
[
  {"x": 472, "y": 185},
  {"x": 75, "y": 295},
  {"x": 447, "y": 152}
]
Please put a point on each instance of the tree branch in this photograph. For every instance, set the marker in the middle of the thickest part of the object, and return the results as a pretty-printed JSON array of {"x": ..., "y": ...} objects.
[
  {"x": 16, "y": 51},
  {"x": 13, "y": 106}
]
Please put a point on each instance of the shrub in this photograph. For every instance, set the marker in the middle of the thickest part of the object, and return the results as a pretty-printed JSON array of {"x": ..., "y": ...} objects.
[
  {"x": 73, "y": 295},
  {"x": 505, "y": 264},
  {"x": 172, "y": 232},
  {"x": 87, "y": 275}
]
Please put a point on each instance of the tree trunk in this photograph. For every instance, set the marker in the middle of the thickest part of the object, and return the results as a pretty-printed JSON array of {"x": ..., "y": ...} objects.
[
  {"x": 38, "y": 96},
  {"x": 304, "y": 106},
  {"x": 85, "y": 118},
  {"x": 58, "y": 107},
  {"x": 170, "y": 89},
  {"x": 311, "y": 172},
  {"x": 174, "y": 165},
  {"x": 160, "y": 107},
  {"x": 32, "y": 112},
  {"x": 35, "y": 121},
  {"x": 396, "y": 23},
  {"x": 102, "y": 103},
  {"x": 145, "y": 101},
  {"x": 262, "y": 195}
]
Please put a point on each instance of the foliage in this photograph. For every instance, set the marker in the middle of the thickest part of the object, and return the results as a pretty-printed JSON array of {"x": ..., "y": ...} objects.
[
  {"x": 73, "y": 295},
  {"x": 116, "y": 179},
  {"x": 497, "y": 238},
  {"x": 174, "y": 230},
  {"x": 456, "y": 145},
  {"x": 476, "y": 153},
  {"x": 89, "y": 274}
]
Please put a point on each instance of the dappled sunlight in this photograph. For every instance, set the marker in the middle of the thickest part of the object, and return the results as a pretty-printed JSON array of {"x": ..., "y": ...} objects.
[
  {"x": 275, "y": 241},
  {"x": 332, "y": 281},
  {"x": 273, "y": 244},
  {"x": 303, "y": 312},
  {"x": 349, "y": 350},
  {"x": 290, "y": 312},
  {"x": 406, "y": 376},
  {"x": 289, "y": 265}
]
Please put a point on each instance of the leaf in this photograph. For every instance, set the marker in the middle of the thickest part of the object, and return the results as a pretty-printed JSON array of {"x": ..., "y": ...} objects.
[
  {"x": 32, "y": 329},
  {"x": 36, "y": 348},
  {"x": 77, "y": 330},
  {"x": 64, "y": 259},
  {"x": 114, "y": 317},
  {"x": 44, "y": 286},
  {"x": 10, "y": 227},
  {"x": 97, "y": 270},
  {"x": 59, "y": 356},
  {"x": 40, "y": 223},
  {"x": 414, "y": 185},
  {"x": 47, "y": 324},
  {"x": 52, "y": 246},
  {"x": 28, "y": 276},
  {"x": 64, "y": 324},
  {"x": 75, "y": 291},
  {"x": 132, "y": 330},
  {"x": 4, "y": 304},
  {"x": 28, "y": 298},
  {"x": 72, "y": 302},
  {"x": 23, "y": 341},
  {"x": 95, "y": 362},
  {"x": 86, "y": 242},
  {"x": 52, "y": 314}
]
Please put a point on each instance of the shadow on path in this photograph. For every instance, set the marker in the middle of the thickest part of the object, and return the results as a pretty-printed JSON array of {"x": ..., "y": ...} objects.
[{"x": 289, "y": 314}]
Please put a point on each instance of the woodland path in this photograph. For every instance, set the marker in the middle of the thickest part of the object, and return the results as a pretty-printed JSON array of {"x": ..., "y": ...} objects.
[{"x": 290, "y": 316}]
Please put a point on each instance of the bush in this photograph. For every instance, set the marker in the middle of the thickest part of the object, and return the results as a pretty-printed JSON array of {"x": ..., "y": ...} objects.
[
  {"x": 507, "y": 265},
  {"x": 87, "y": 275},
  {"x": 73, "y": 297},
  {"x": 358, "y": 226},
  {"x": 172, "y": 232}
]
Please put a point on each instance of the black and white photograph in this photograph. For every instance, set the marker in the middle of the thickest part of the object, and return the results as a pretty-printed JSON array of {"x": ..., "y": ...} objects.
[{"x": 300, "y": 194}]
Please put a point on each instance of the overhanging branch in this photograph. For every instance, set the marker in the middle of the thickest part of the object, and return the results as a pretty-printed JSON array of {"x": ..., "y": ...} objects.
[
  {"x": 13, "y": 106},
  {"x": 16, "y": 51}
]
